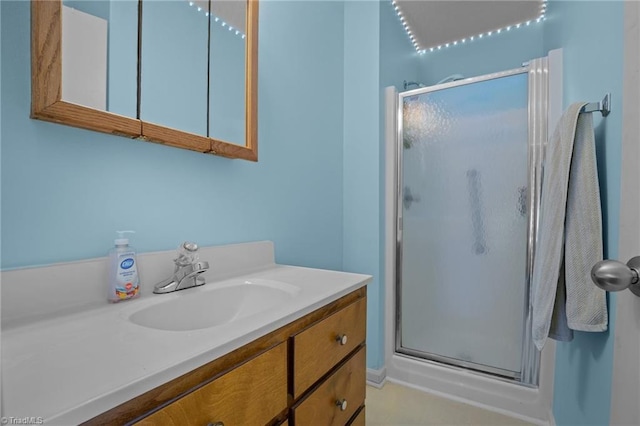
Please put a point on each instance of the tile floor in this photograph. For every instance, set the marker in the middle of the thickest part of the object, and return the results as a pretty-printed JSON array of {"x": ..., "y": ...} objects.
[{"x": 396, "y": 405}]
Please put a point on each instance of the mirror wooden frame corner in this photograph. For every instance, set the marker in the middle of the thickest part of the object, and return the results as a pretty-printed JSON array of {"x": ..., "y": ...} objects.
[
  {"x": 250, "y": 150},
  {"x": 47, "y": 103},
  {"x": 46, "y": 79}
]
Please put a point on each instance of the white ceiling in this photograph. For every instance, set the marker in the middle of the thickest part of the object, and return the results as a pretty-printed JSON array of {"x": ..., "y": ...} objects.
[
  {"x": 437, "y": 22},
  {"x": 234, "y": 12}
]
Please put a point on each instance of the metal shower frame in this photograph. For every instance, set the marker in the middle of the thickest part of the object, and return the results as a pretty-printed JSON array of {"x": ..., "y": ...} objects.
[{"x": 537, "y": 138}]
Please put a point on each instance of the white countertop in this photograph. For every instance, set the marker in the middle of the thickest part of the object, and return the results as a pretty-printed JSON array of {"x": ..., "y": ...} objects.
[{"x": 68, "y": 369}]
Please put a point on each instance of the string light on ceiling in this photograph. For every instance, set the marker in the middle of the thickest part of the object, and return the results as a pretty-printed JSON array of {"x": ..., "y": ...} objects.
[
  {"x": 541, "y": 17},
  {"x": 220, "y": 21},
  {"x": 405, "y": 25}
]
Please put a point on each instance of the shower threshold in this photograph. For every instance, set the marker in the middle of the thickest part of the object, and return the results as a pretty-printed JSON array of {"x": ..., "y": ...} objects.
[{"x": 458, "y": 364}]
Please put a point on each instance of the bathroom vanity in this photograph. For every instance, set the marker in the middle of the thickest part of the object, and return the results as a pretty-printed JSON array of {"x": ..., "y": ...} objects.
[
  {"x": 308, "y": 372},
  {"x": 290, "y": 349}
]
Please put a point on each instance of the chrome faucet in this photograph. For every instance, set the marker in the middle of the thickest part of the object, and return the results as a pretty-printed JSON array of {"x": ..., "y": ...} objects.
[{"x": 187, "y": 270}]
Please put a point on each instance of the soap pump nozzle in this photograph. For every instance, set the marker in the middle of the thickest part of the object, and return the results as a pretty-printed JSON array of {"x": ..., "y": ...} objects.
[{"x": 121, "y": 240}]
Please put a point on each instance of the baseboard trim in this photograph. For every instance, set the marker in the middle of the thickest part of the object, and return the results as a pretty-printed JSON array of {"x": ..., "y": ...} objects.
[
  {"x": 468, "y": 401},
  {"x": 376, "y": 378}
]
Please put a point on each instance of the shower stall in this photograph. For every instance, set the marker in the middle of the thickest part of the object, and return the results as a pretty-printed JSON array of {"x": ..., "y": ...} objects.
[{"x": 466, "y": 199}]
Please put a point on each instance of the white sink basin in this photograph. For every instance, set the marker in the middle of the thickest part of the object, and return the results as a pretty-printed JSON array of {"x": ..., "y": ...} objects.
[{"x": 203, "y": 307}]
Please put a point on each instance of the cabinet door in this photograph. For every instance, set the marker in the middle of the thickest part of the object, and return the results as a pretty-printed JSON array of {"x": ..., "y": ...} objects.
[{"x": 251, "y": 394}]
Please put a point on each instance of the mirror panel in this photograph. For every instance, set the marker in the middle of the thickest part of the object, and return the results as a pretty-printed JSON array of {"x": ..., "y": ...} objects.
[
  {"x": 121, "y": 83},
  {"x": 174, "y": 65},
  {"x": 227, "y": 64},
  {"x": 99, "y": 61},
  {"x": 123, "y": 58}
]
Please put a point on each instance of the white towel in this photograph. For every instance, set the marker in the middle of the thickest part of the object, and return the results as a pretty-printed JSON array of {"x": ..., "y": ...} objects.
[{"x": 570, "y": 230}]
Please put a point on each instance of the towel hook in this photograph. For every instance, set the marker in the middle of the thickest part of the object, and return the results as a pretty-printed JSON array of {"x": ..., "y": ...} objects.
[
  {"x": 611, "y": 275},
  {"x": 604, "y": 106}
]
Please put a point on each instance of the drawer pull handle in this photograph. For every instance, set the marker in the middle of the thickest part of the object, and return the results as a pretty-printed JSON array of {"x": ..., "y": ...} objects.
[
  {"x": 342, "y": 404},
  {"x": 215, "y": 424},
  {"x": 342, "y": 339}
]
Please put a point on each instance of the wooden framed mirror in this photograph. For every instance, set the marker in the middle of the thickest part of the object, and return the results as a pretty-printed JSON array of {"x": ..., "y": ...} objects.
[{"x": 95, "y": 65}]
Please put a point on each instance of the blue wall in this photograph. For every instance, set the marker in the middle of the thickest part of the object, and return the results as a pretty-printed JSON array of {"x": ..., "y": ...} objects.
[
  {"x": 361, "y": 213},
  {"x": 399, "y": 61},
  {"x": 174, "y": 66},
  {"x": 227, "y": 79},
  {"x": 592, "y": 67},
  {"x": 122, "y": 80},
  {"x": 377, "y": 54},
  {"x": 66, "y": 190},
  {"x": 99, "y": 8},
  {"x": 317, "y": 190}
]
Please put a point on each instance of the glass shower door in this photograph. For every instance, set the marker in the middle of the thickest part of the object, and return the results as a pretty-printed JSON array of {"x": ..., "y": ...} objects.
[{"x": 463, "y": 223}]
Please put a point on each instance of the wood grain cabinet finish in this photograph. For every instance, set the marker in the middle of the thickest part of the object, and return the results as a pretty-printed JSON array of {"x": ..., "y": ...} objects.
[
  {"x": 320, "y": 347},
  {"x": 359, "y": 419},
  {"x": 253, "y": 385},
  {"x": 337, "y": 398},
  {"x": 251, "y": 394}
]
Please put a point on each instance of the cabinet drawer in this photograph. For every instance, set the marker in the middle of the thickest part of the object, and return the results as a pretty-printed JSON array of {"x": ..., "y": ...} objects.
[
  {"x": 347, "y": 383},
  {"x": 359, "y": 419},
  {"x": 322, "y": 407},
  {"x": 251, "y": 394},
  {"x": 318, "y": 348}
]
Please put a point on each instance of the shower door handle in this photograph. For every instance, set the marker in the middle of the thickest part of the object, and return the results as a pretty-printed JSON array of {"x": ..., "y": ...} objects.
[
  {"x": 522, "y": 201},
  {"x": 408, "y": 198}
]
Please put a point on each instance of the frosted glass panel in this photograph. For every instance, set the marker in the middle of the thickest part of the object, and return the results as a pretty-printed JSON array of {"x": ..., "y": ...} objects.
[{"x": 464, "y": 238}]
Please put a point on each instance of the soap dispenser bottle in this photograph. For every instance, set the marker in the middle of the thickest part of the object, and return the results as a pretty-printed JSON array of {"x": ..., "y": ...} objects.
[{"x": 123, "y": 270}]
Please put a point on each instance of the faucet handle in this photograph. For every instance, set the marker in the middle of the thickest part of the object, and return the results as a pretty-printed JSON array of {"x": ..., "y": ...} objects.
[
  {"x": 187, "y": 254},
  {"x": 189, "y": 246}
]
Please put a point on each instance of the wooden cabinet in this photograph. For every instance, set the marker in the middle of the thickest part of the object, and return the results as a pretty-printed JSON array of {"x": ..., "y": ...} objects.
[
  {"x": 309, "y": 372},
  {"x": 253, "y": 393},
  {"x": 320, "y": 347},
  {"x": 337, "y": 398}
]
